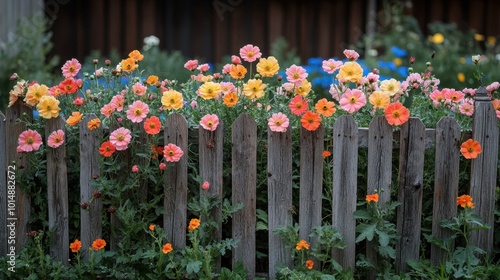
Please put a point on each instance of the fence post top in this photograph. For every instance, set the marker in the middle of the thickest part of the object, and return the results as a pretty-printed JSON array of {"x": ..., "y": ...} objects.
[{"x": 481, "y": 94}]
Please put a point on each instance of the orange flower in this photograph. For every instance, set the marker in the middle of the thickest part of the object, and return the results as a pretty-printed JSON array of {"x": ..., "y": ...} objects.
[
  {"x": 465, "y": 201},
  {"x": 230, "y": 99},
  {"x": 74, "y": 119},
  {"x": 396, "y": 113},
  {"x": 326, "y": 154},
  {"x": 325, "y": 107},
  {"x": 372, "y": 197},
  {"x": 128, "y": 65},
  {"x": 310, "y": 121},
  {"x": 152, "y": 125},
  {"x": 470, "y": 149},
  {"x": 136, "y": 55},
  {"x": 302, "y": 244},
  {"x": 94, "y": 123},
  {"x": 152, "y": 80},
  {"x": 157, "y": 151},
  {"x": 167, "y": 248},
  {"x": 75, "y": 246},
  {"x": 237, "y": 71},
  {"x": 98, "y": 244},
  {"x": 194, "y": 224},
  {"x": 107, "y": 149},
  {"x": 309, "y": 264},
  {"x": 152, "y": 227}
]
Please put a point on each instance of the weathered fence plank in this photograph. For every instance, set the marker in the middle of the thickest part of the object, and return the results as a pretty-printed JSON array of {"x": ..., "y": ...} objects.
[
  {"x": 411, "y": 173},
  {"x": 175, "y": 200},
  {"x": 3, "y": 188},
  {"x": 345, "y": 166},
  {"x": 484, "y": 168},
  {"x": 445, "y": 182},
  {"x": 280, "y": 207},
  {"x": 57, "y": 194},
  {"x": 90, "y": 218},
  {"x": 244, "y": 190},
  {"x": 18, "y": 111},
  {"x": 311, "y": 181}
]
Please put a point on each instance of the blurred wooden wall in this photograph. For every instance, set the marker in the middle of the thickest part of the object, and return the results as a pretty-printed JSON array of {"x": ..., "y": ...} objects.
[
  {"x": 212, "y": 29},
  {"x": 14, "y": 12}
]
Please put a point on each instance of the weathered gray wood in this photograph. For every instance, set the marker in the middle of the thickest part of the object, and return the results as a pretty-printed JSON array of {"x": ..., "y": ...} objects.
[
  {"x": 142, "y": 162},
  {"x": 244, "y": 190},
  {"x": 175, "y": 201},
  {"x": 3, "y": 187},
  {"x": 379, "y": 178},
  {"x": 484, "y": 169},
  {"x": 430, "y": 137},
  {"x": 311, "y": 181},
  {"x": 445, "y": 182},
  {"x": 280, "y": 207},
  {"x": 211, "y": 145},
  {"x": 57, "y": 194},
  {"x": 411, "y": 172},
  {"x": 345, "y": 166},
  {"x": 18, "y": 111},
  {"x": 90, "y": 218}
]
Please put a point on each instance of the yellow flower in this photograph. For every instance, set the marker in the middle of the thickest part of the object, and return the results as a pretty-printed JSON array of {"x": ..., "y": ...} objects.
[
  {"x": 254, "y": 89},
  {"x": 210, "y": 90},
  {"x": 461, "y": 77},
  {"x": 437, "y": 38},
  {"x": 462, "y": 60},
  {"x": 390, "y": 87},
  {"x": 479, "y": 37},
  {"x": 172, "y": 99},
  {"x": 268, "y": 67},
  {"x": 152, "y": 80},
  {"x": 379, "y": 100},
  {"x": 35, "y": 92},
  {"x": 48, "y": 107},
  {"x": 397, "y": 61},
  {"x": 74, "y": 119},
  {"x": 351, "y": 71},
  {"x": 492, "y": 40},
  {"x": 136, "y": 55},
  {"x": 304, "y": 88}
]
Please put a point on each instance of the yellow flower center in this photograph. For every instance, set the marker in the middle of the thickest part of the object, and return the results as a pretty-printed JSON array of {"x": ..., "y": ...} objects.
[
  {"x": 30, "y": 140},
  {"x": 353, "y": 100},
  {"x": 210, "y": 124},
  {"x": 396, "y": 114},
  {"x": 278, "y": 122},
  {"x": 72, "y": 68},
  {"x": 138, "y": 112},
  {"x": 470, "y": 149},
  {"x": 120, "y": 137},
  {"x": 171, "y": 153}
]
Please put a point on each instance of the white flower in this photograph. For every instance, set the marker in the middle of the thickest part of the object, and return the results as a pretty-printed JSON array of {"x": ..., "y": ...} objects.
[
  {"x": 476, "y": 58},
  {"x": 151, "y": 41}
]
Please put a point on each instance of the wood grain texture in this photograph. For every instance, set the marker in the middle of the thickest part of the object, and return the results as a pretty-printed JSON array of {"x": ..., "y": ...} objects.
[
  {"x": 280, "y": 207},
  {"x": 345, "y": 172},
  {"x": 244, "y": 190},
  {"x": 411, "y": 172},
  {"x": 445, "y": 182},
  {"x": 3, "y": 186},
  {"x": 57, "y": 194},
  {"x": 175, "y": 201}
]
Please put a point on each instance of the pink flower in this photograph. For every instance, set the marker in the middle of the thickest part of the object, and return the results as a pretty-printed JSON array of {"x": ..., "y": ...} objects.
[
  {"x": 235, "y": 59},
  {"x": 117, "y": 101},
  {"x": 194, "y": 104},
  {"x": 135, "y": 168},
  {"x": 78, "y": 101},
  {"x": 205, "y": 186},
  {"x": 351, "y": 54},
  {"x": 226, "y": 69},
  {"x": 227, "y": 87},
  {"x": 372, "y": 77},
  {"x": 120, "y": 138},
  {"x": 250, "y": 53},
  {"x": 203, "y": 68},
  {"x": 331, "y": 65},
  {"x": 56, "y": 139},
  {"x": 492, "y": 87},
  {"x": 278, "y": 122},
  {"x": 162, "y": 166},
  {"x": 352, "y": 100},
  {"x": 438, "y": 97},
  {"x": 296, "y": 74},
  {"x": 209, "y": 122},
  {"x": 466, "y": 108},
  {"x": 191, "y": 65},
  {"x": 107, "y": 110},
  {"x": 71, "y": 68},
  {"x": 453, "y": 95},
  {"x": 139, "y": 89},
  {"x": 172, "y": 153},
  {"x": 469, "y": 91},
  {"x": 29, "y": 140},
  {"x": 137, "y": 111}
]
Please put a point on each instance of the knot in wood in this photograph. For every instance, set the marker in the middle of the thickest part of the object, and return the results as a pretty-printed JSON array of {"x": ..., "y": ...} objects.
[
  {"x": 211, "y": 143},
  {"x": 417, "y": 186}
]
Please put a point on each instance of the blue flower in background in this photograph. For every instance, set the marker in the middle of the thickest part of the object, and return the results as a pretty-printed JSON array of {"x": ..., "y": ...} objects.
[
  {"x": 316, "y": 61},
  {"x": 387, "y": 65},
  {"x": 398, "y": 52},
  {"x": 403, "y": 71}
]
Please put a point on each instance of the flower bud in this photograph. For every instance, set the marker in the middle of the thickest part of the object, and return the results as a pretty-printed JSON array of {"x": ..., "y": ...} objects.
[
  {"x": 13, "y": 77},
  {"x": 95, "y": 61},
  {"x": 97, "y": 194},
  {"x": 280, "y": 78},
  {"x": 111, "y": 209},
  {"x": 412, "y": 60},
  {"x": 135, "y": 169},
  {"x": 205, "y": 186},
  {"x": 428, "y": 64},
  {"x": 84, "y": 205},
  {"x": 107, "y": 62},
  {"x": 257, "y": 76}
]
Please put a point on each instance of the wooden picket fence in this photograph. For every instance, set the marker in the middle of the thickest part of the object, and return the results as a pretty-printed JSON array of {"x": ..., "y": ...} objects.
[{"x": 413, "y": 139}]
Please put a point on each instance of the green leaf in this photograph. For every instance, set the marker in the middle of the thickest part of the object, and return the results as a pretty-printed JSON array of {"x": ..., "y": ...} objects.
[
  {"x": 366, "y": 231},
  {"x": 193, "y": 267}
]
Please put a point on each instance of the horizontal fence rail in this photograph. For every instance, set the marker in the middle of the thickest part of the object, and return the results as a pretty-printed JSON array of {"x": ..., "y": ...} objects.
[{"x": 381, "y": 140}]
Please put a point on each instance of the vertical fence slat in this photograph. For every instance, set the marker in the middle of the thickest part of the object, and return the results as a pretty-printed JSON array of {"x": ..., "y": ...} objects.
[
  {"x": 175, "y": 201},
  {"x": 244, "y": 183},
  {"x": 280, "y": 205},
  {"x": 211, "y": 145},
  {"x": 90, "y": 218},
  {"x": 3, "y": 188},
  {"x": 445, "y": 182},
  {"x": 311, "y": 181},
  {"x": 411, "y": 173},
  {"x": 22, "y": 201},
  {"x": 57, "y": 194},
  {"x": 484, "y": 169},
  {"x": 345, "y": 166},
  {"x": 379, "y": 169}
]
